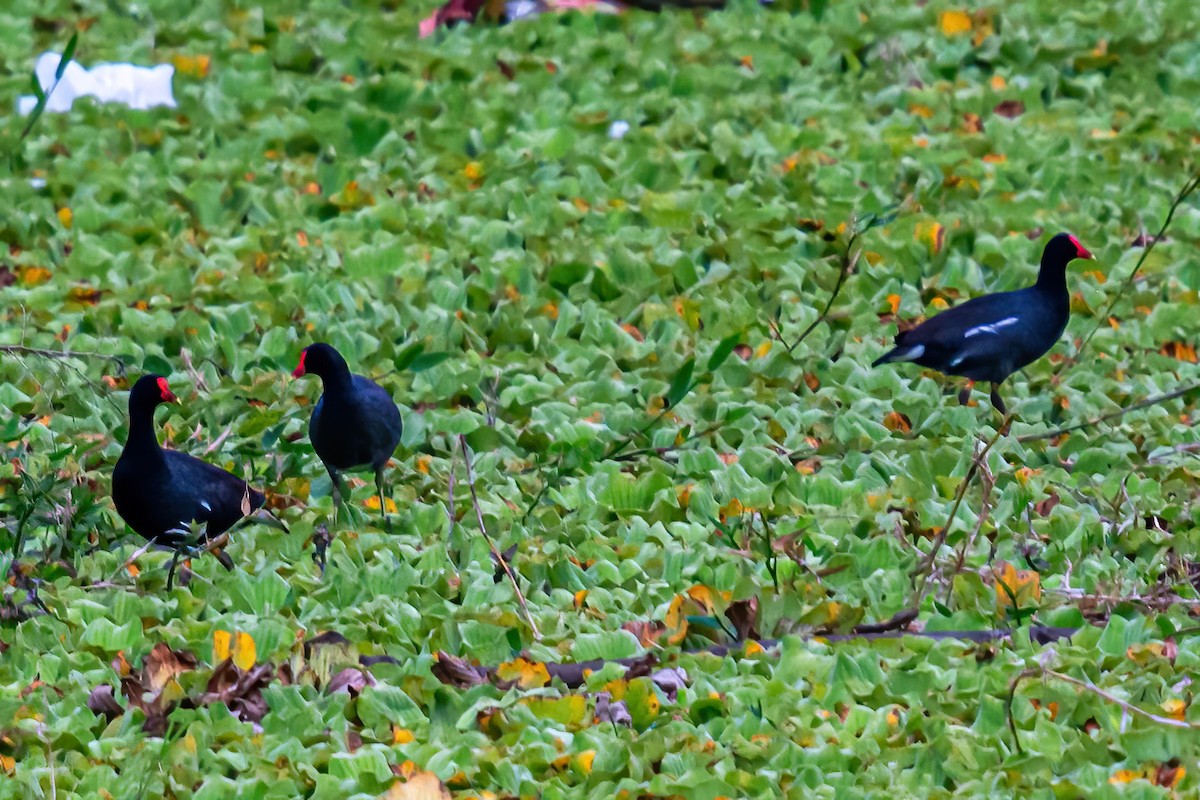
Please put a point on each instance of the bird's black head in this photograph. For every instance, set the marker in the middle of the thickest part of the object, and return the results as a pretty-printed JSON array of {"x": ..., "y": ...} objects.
[
  {"x": 148, "y": 392},
  {"x": 322, "y": 360},
  {"x": 1062, "y": 250}
]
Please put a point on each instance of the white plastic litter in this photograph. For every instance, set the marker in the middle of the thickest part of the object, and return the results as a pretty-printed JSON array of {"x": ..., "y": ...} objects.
[
  {"x": 137, "y": 87},
  {"x": 618, "y": 129}
]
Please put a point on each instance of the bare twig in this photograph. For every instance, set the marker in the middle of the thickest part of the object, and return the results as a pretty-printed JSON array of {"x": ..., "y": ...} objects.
[
  {"x": 218, "y": 441},
  {"x": 20, "y": 349},
  {"x": 185, "y": 356},
  {"x": 988, "y": 482},
  {"x": 940, "y": 539},
  {"x": 661, "y": 452},
  {"x": 141, "y": 551},
  {"x": 1146, "y": 403},
  {"x": 847, "y": 260},
  {"x": 1088, "y": 686},
  {"x": 1008, "y": 707},
  {"x": 462, "y": 441},
  {"x": 1192, "y": 184}
]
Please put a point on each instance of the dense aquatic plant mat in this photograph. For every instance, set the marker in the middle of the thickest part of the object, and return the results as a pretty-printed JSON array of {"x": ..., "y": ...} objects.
[{"x": 651, "y": 340}]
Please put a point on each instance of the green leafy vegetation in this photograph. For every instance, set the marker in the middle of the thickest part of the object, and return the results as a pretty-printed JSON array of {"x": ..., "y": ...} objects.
[{"x": 651, "y": 352}]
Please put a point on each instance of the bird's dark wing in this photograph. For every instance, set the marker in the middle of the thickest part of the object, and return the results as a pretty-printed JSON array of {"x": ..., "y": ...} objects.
[
  {"x": 208, "y": 493},
  {"x": 964, "y": 338},
  {"x": 380, "y": 418}
]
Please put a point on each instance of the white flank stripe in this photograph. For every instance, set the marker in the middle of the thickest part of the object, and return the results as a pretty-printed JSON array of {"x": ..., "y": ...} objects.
[
  {"x": 992, "y": 327},
  {"x": 206, "y": 506},
  {"x": 912, "y": 353}
]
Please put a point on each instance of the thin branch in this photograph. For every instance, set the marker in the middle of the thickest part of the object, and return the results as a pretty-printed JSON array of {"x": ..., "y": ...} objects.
[
  {"x": 848, "y": 260},
  {"x": 1088, "y": 686},
  {"x": 976, "y": 460},
  {"x": 141, "y": 551},
  {"x": 462, "y": 441},
  {"x": 1192, "y": 184},
  {"x": 35, "y": 351},
  {"x": 985, "y": 509},
  {"x": 1008, "y": 707},
  {"x": 1146, "y": 403}
]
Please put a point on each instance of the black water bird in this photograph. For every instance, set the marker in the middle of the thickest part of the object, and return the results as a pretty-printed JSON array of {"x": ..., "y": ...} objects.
[
  {"x": 355, "y": 424},
  {"x": 989, "y": 338},
  {"x": 160, "y": 493}
]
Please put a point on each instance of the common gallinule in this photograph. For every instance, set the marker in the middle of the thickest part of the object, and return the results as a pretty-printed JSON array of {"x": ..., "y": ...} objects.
[
  {"x": 159, "y": 493},
  {"x": 991, "y": 337},
  {"x": 354, "y": 425}
]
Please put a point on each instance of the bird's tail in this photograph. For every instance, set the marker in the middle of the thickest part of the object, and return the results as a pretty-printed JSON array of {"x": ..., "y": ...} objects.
[{"x": 909, "y": 352}]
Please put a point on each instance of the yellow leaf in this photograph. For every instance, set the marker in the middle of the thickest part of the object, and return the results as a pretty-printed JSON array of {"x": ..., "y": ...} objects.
[
  {"x": 753, "y": 648},
  {"x": 373, "y": 504},
  {"x": 1024, "y": 474},
  {"x": 8, "y": 764},
  {"x": 66, "y": 216},
  {"x": 919, "y": 110},
  {"x": 473, "y": 171},
  {"x": 526, "y": 674},
  {"x": 33, "y": 276},
  {"x": 569, "y": 710},
  {"x": 1124, "y": 776},
  {"x": 895, "y": 421},
  {"x": 731, "y": 509},
  {"x": 702, "y": 596},
  {"x": 954, "y": 23},
  {"x": 584, "y": 761},
  {"x": 675, "y": 621},
  {"x": 550, "y": 310},
  {"x": 402, "y": 736},
  {"x": 580, "y": 597},
  {"x": 244, "y": 651},
  {"x": 221, "y": 642},
  {"x": 421, "y": 786},
  {"x": 1016, "y": 588},
  {"x": 762, "y": 349},
  {"x": 1180, "y": 351},
  {"x": 932, "y": 234},
  {"x": 192, "y": 66}
]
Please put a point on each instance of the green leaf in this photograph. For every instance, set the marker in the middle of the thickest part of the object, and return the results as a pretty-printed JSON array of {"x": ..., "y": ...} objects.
[
  {"x": 681, "y": 384},
  {"x": 67, "y": 56},
  {"x": 406, "y": 356},
  {"x": 723, "y": 351},
  {"x": 424, "y": 361}
]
